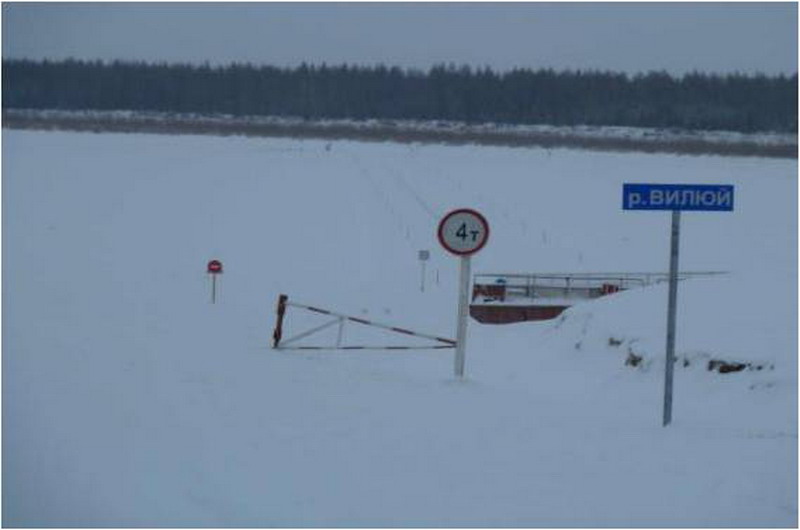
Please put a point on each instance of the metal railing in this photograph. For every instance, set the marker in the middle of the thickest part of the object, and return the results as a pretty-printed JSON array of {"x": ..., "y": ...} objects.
[{"x": 578, "y": 285}]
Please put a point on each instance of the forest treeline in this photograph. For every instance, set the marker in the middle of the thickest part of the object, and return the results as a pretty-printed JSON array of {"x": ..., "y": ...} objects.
[{"x": 696, "y": 101}]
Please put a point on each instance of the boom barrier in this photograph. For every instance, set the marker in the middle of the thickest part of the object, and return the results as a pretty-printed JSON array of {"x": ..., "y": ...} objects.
[{"x": 279, "y": 343}]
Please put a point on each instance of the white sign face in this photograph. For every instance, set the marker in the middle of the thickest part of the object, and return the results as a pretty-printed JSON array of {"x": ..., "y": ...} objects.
[{"x": 463, "y": 232}]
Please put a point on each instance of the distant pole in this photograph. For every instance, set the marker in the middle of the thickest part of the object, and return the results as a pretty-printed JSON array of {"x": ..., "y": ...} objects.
[
  {"x": 671, "y": 312},
  {"x": 463, "y": 305},
  {"x": 213, "y": 268},
  {"x": 423, "y": 257}
]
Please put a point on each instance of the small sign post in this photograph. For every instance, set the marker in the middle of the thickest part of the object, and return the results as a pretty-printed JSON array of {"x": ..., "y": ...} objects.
[
  {"x": 423, "y": 258},
  {"x": 675, "y": 197},
  {"x": 463, "y": 232},
  {"x": 214, "y": 267}
]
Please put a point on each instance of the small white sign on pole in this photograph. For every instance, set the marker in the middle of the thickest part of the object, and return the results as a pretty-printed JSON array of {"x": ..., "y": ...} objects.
[
  {"x": 423, "y": 258},
  {"x": 463, "y": 232}
]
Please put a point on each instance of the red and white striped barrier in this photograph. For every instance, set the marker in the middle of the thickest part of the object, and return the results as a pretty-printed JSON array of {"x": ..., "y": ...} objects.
[{"x": 283, "y": 303}]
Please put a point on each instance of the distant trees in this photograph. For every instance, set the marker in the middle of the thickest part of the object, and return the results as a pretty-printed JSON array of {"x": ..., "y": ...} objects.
[{"x": 445, "y": 92}]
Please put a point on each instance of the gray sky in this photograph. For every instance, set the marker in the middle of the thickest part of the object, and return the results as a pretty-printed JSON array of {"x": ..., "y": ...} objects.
[{"x": 630, "y": 37}]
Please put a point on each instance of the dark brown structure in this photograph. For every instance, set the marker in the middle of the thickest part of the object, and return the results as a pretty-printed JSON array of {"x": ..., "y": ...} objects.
[{"x": 507, "y": 314}]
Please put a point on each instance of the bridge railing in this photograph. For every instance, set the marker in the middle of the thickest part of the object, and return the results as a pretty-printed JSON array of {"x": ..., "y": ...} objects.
[{"x": 569, "y": 286}]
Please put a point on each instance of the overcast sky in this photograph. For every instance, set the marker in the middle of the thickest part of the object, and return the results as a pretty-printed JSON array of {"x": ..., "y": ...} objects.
[{"x": 629, "y": 37}]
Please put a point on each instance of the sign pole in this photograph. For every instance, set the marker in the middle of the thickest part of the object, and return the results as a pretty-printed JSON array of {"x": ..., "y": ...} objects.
[
  {"x": 423, "y": 258},
  {"x": 462, "y": 232},
  {"x": 675, "y": 198},
  {"x": 213, "y": 268},
  {"x": 463, "y": 306},
  {"x": 671, "y": 313}
]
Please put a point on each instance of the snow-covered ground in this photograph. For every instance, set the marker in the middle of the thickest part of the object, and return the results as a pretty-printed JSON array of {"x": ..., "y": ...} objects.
[{"x": 130, "y": 400}]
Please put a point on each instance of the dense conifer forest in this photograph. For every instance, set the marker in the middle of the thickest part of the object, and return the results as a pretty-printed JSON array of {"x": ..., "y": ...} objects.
[{"x": 696, "y": 101}]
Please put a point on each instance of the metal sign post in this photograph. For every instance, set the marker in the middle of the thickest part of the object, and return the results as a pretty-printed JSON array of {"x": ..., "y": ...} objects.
[
  {"x": 675, "y": 197},
  {"x": 463, "y": 232},
  {"x": 214, "y": 267},
  {"x": 423, "y": 259},
  {"x": 672, "y": 305},
  {"x": 463, "y": 309}
]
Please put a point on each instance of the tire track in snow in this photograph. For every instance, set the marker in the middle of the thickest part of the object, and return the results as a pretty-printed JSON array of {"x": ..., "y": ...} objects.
[
  {"x": 521, "y": 224},
  {"x": 404, "y": 185},
  {"x": 381, "y": 194}
]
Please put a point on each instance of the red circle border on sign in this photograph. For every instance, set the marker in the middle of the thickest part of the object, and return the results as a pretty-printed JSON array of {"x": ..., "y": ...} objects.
[
  {"x": 214, "y": 267},
  {"x": 481, "y": 219}
]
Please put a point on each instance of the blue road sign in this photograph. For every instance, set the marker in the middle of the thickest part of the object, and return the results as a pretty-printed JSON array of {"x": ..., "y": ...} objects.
[
  {"x": 675, "y": 197},
  {"x": 697, "y": 197}
]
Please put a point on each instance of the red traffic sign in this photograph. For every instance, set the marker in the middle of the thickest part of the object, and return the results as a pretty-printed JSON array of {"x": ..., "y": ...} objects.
[
  {"x": 214, "y": 266},
  {"x": 463, "y": 232}
]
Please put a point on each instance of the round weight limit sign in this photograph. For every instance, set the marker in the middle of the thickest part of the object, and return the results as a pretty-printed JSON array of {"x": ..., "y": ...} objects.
[{"x": 463, "y": 232}]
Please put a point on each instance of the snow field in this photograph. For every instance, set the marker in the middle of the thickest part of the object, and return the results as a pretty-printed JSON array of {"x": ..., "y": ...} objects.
[{"x": 128, "y": 399}]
